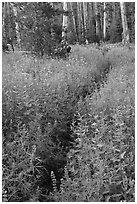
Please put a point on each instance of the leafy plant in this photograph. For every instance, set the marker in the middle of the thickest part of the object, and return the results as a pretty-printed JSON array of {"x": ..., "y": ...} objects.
[
  {"x": 38, "y": 137},
  {"x": 101, "y": 164}
]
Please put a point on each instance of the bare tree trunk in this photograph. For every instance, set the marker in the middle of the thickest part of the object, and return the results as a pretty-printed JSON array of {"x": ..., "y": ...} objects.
[
  {"x": 3, "y": 13},
  {"x": 74, "y": 21},
  {"x": 64, "y": 23},
  {"x": 17, "y": 27},
  {"x": 7, "y": 31},
  {"x": 114, "y": 11},
  {"x": 75, "y": 15},
  {"x": 79, "y": 22},
  {"x": 83, "y": 24},
  {"x": 125, "y": 34},
  {"x": 85, "y": 20},
  {"x": 98, "y": 22},
  {"x": 104, "y": 26},
  {"x": 91, "y": 23}
]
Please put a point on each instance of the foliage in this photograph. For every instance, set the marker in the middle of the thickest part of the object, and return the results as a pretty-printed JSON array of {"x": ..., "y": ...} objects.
[
  {"x": 38, "y": 21},
  {"x": 38, "y": 25},
  {"x": 66, "y": 137},
  {"x": 9, "y": 26},
  {"x": 39, "y": 101},
  {"x": 67, "y": 124},
  {"x": 19, "y": 166},
  {"x": 130, "y": 13},
  {"x": 101, "y": 165}
]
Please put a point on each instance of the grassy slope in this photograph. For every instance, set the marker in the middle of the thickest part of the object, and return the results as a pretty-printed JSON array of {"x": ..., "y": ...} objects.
[{"x": 53, "y": 94}]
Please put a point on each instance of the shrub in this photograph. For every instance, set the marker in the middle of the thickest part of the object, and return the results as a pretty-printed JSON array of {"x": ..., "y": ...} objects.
[{"x": 19, "y": 166}]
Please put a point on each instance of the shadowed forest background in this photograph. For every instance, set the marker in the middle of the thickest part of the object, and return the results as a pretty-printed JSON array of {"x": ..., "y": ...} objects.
[{"x": 68, "y": 102}]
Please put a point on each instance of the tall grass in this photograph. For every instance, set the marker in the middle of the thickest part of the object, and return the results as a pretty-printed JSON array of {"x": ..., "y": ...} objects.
[
  {"x": 42, "y": 98},
  {"x": 101, "y": 167},
  {"x": 39, "y": 101}
]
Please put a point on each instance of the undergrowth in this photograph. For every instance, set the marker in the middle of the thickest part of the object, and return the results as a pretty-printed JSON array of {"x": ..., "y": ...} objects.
[
  {"x": 101, "y": 166},
  {"x": 42, "y": 152}
]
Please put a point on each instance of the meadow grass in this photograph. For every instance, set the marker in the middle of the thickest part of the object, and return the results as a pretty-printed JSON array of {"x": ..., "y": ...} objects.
[
  {"x": 41, "y": 98},
  {"x": 102, "y": 164}
]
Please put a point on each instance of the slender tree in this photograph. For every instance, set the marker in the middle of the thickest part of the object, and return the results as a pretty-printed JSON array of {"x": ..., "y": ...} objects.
[
  {"x": 85, "y": 11},
  {"x": 71, "y": 31},
  {"x": 74, "y": 21},
  {"x": 91, "y": 25},
  {"x": 83, "y": 23},
  {"x": 65, "y": 22},
  {"x": 8, "y": 25},
  {"x": 125, "y": 34},
  {"x": 18, "y": 35},
  {"x": 116, "y": 25},
  {"x": 130, "y": 15},
  {"x": 98, "y": 22},
  {"x": 104, "y": 26},
  {"x": 79, "y": 16},
  {"x": 74, "y": 6}
]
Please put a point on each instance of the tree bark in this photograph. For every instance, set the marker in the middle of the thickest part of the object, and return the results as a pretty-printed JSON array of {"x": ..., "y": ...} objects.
[
  {"x": 83, "y": 23},
  {"x": 91, "y": 22},
  {"x": 17, "y": 26},
  {"x": 79, "y": 22},
  {"x": 104, "y": 26},
  {"x": 8, "y": 30},
  {"x": 64, "y": 23},
  {"x": 85, "y": 20},
  {"x": 74, "y": 21},
  {"x": 75, "y": 18},
  {"x": 98, "y": 22},
  {"x": 125, "y": 34}
]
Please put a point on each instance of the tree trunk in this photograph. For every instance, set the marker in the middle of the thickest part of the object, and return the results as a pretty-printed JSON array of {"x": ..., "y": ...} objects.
[
  {"x": 79, "y": 22},
  {"x": 73, "y": 20},
  {"x": 125, "y": 34},
  {"x": 83, "y": 24},
  {"x": 3, "y": 13},
  {"x": 64, "y": 23},
  {"x": 104, "y": 26},
  {"x": 85, "y": 20},
  {"x": 8, "y": 30},
  {"x": 75, "y": 16},
  {"x": 91, "y": 23},
  {"x": 17, "y": 26},
  {"x": 98, "y": 23},
  {"x": 114, "y": 10}
]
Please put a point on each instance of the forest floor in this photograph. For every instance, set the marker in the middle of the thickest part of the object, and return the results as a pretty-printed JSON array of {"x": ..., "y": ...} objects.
[{"x": 69, "y": 126}]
